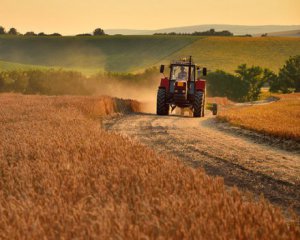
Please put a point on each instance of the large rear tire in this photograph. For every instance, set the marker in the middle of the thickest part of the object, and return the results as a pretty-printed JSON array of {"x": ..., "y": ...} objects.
[
  {"x": 198, "y": 104},
  {"x": 161, "y": 107}
]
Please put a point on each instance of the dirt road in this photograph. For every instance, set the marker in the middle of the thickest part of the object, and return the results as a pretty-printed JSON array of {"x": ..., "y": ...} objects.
[{"x": 239, "y": 160}]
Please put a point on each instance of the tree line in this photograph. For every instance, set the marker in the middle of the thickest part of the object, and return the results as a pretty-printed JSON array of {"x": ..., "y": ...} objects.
[
  {"x": 246, "y": 83},
  {"x": 210, "y": 32},
  {"x": 243, "y": 85},
  {"x": 14, "y": 31},
  {"x": 66, "y": 82}
]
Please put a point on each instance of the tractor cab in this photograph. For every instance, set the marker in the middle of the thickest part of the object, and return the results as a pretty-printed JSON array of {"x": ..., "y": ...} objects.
[
  {"x": 182, "y": 81},
  {"x": 181, "y": 88}
]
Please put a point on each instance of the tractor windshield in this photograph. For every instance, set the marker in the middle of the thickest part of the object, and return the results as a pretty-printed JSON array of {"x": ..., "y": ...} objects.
[{"x": 181, "y": 73}]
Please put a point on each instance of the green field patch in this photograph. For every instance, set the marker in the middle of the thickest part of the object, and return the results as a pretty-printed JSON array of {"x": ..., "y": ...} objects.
[
  {"x": 136, "y": 53},
  {"x": 227, "y": 53},
  {"x": 106, "y": 53}
]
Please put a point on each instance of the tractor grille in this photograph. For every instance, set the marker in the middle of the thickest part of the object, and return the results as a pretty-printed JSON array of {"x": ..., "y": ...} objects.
[{"x": 180, "y": 97}]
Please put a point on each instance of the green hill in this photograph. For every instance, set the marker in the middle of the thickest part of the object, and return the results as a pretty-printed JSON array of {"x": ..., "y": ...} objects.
[
  {"x": 227, "y": 53},
  {"x": 109, "y": 53},
  {"x": 134, "y": 53}
]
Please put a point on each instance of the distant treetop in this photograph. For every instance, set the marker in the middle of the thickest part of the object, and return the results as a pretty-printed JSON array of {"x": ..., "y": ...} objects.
[
  {"x": 13, "y": 31},
  {"x": 98, "y": 32},
  {"x": 210, "y": 32},
  {"x": 30, "y": 34},
  {"x": 2, "y": 30}
]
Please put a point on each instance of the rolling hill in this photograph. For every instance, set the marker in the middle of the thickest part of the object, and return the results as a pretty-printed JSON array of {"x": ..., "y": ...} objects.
[
  {"x": 109, "y": 53},
  {"x": 235, "y": 29},
  {"x": 135, "y": 53},
  {"x": 293, "y": 33},
  {"x": 226, "y": 53}
]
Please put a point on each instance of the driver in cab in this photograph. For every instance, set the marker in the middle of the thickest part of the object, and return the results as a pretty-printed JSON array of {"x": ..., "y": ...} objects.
[{"x": 182, "y": 75}]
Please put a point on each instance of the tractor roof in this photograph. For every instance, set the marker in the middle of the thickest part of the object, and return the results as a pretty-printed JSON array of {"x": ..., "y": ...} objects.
[
  {"x": 182, "y": 61},
  {"x": 182, "y": 64}
]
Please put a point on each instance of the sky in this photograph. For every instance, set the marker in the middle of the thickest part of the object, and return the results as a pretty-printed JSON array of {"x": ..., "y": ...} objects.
[{"x": 82, "y": 16}]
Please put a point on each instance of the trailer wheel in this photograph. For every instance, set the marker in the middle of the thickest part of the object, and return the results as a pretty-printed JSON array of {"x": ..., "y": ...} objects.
[
  {"x": 198, "y": 104},
  {"x": 161, "y": 107},
  {"x": 214, "y": 109}
]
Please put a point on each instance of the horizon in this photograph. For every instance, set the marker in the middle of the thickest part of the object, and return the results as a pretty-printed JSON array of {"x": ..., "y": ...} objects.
[
  {"x": 69, "y": 17},
  {"x": 165, "y": 28},
  {"x": 204, "y": 24}
]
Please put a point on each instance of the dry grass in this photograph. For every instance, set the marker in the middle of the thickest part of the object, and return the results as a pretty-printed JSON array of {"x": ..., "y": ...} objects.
[
  {"x": 280, "y": 119},
  {"x": 62, "y": 177}
]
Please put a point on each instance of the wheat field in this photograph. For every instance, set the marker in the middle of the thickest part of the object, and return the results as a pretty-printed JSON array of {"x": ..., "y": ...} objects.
[
  {"x": 63, "y": 177},
  {"x": 280, "y": 119}
]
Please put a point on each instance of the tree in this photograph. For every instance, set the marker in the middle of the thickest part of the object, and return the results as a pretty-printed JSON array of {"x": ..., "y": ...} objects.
[
  {"x": 12, "y": 31},
  {"x": 254, "y": 78},
  {"x": 289, "y": 75},
  {"x": 98, "y": 32},
  {"x": 2, "y": 30},
  {"x": 245, "y": 85}
]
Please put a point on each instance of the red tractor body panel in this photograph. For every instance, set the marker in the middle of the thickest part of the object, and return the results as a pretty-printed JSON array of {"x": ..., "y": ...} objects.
[
  {"x": 200, "y": 85},
  {"x": 164, "y": 83}
]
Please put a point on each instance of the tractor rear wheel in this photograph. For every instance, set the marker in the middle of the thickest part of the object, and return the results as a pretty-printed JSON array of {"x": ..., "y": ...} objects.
[
  {"x": 161, "y": 107},
  {"x": 198, "y": 104}
]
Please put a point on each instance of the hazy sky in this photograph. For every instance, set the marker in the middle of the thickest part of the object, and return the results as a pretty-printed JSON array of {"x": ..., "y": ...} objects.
[{"x": 78, "y": 16}]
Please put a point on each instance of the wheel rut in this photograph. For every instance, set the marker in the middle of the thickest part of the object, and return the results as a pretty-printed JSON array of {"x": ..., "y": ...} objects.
[{"x": 249, "y": 165}]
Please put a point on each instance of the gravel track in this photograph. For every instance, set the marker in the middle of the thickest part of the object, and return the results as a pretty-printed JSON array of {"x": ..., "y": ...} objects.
[{"x": 241, "y": 161}]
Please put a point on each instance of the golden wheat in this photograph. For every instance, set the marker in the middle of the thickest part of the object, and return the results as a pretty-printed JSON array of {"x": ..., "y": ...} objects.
[
  {"x": 62, "y": 177},
  {"x": 280, "y": 119}
]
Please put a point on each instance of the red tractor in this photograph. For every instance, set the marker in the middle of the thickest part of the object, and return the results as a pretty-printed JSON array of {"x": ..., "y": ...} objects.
[{"x": 182, "y": 89}]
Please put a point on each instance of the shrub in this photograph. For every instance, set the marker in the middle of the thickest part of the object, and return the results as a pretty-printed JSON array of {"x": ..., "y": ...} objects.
[{"x": 244, "y": 86}]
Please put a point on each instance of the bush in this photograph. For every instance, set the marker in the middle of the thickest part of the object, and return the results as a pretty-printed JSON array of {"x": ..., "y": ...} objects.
[
  {"x": 61, "y": 82},
  {"x": 224, "y": 84},
  {"x": 49, "y": 82},
  {"x": 244, "y": 86}
]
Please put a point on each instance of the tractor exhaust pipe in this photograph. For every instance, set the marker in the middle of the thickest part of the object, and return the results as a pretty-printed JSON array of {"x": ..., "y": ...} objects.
[{"x": 190, "y": 68}]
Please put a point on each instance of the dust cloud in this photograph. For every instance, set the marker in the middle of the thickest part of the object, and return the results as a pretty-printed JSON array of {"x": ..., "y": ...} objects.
[{"x": 145, "y": 94}]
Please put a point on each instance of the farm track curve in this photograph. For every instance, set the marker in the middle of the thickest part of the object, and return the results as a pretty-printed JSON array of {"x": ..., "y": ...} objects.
[{"x": 242, "y": 162}]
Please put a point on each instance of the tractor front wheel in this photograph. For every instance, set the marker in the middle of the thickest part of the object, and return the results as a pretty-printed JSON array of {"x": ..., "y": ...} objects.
[
  {"x": 198, "y": 104},
  {"x": 161, "y": 107}
]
